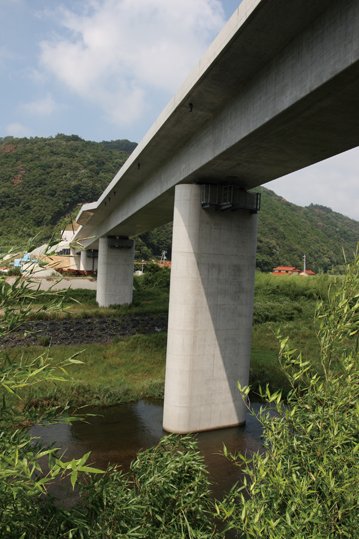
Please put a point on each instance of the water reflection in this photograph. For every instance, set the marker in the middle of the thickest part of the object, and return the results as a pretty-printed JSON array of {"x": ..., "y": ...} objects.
[{"x": 116, "y": 434}]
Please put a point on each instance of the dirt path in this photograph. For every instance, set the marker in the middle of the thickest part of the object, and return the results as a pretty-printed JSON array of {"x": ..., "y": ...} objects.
[{"x": 60, "y": 284}]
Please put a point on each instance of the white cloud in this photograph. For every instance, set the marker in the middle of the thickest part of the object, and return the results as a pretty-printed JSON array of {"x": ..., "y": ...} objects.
[
  {"x": 17, "y": 129},
  {"x": 116, "y": 52},
  {"x": 333, "y": 183},
  {"x": 40, "y": 107}
]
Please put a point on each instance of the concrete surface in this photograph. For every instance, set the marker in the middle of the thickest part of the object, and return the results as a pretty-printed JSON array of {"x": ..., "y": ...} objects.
[
  {"x": 36, "y": 272},
  {"x": 87, "y": 263},
  {"x": 210, "y": 315},
  {"x": 115, "y": 274}
]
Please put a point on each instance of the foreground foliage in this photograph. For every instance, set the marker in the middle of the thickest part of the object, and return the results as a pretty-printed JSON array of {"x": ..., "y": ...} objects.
[
  {"x": 305, "y": 483},
  {"x": 26, "y": 469},
  {"x": 302, "y": 486},
  {"x": 165, "y": 494}
]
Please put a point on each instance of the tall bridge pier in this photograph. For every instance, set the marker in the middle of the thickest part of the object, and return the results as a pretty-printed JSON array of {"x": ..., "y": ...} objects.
[
  {"x": 210, "y": 310},
  {"x": 115, "y": 271}
]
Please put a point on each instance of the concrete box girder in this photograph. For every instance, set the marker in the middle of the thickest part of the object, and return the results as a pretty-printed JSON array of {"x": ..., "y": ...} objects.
[{"x": 268, "y": 104}]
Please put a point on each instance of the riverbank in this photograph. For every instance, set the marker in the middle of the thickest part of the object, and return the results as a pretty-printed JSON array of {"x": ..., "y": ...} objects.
[
  {"x": 129, "y": 368},
  {"x": 123, "y": 349}
]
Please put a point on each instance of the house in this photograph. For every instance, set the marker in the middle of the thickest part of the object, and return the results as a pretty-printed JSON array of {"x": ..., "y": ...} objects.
[
  {"x": 63, "y": 248},
  {"x": 292, "y": 270},
  {"x": 285, "y": 270}
]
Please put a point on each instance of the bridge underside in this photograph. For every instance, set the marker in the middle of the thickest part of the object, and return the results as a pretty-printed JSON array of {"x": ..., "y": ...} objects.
[{"x": 315, "y": 128}]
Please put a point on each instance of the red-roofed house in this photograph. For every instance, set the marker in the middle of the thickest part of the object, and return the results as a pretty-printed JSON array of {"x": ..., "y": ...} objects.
[
  {"x": 292, "y": 270},
  {"x": 285, "y": 270}
]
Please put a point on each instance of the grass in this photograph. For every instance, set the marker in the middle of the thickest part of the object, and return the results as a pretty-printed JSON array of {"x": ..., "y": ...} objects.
[
  {"x": 293, "y": 287},
  {"x": 133, "y": 367},
  {"x": 123, "y": 371},
  {"x": 265, "y": 366},
  {"x": 149, "y": 297}
]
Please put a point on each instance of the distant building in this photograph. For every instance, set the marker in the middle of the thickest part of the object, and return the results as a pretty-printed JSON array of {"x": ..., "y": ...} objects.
[
  {"x": 285, "y": 270},
  {"x": 64, "y": 246},
  {"x": 164, "y": 263},
  {"x": 292, "y": 270}
]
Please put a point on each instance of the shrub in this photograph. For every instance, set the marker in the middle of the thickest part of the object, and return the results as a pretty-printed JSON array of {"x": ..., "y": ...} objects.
[
  {"x": 165, "y": 495},
  {"x": 305, "y": 483},
  {"x": 26, "y": 469},
  {"x": 156, "y": 277}
]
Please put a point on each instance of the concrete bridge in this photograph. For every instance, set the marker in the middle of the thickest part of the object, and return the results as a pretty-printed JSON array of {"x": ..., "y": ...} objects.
[{"x": 277, "y": 90}]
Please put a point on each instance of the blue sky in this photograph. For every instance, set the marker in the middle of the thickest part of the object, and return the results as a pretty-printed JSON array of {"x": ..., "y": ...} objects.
[{"x": 104, "y": 70}]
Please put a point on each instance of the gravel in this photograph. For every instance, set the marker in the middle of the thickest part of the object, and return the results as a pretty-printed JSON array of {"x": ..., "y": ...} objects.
[{"x": 84, "y": 330}]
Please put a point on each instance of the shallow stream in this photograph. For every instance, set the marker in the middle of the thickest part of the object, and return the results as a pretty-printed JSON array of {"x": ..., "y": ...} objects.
[{"x": 117, "y": 433}]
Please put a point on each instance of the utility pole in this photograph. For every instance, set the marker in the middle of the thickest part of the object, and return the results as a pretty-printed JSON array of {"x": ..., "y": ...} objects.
[{"x": 304, "y": 263}]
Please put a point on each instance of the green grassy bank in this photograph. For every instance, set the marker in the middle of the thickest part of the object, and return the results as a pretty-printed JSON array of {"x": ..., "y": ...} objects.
[{"x": 133, "y": 367}]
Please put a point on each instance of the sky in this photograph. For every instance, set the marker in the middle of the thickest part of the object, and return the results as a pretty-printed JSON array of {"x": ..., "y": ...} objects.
[{"x": 104, "y": 70}]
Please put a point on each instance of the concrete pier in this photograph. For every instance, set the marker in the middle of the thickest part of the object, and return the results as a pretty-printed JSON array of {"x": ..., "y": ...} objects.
[
  {"x": 115, "y": 271},
  {"x": 210, "y": 314},
  {"x": 87, "y": 263}
]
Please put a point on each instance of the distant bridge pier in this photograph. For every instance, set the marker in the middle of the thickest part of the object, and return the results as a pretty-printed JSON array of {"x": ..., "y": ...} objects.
[
  {"x": 84, "y": 261},
  {"x": 87, "y": 261},
  {"x": 211, "y": 306},
  {"x": 115, "y": 271}
]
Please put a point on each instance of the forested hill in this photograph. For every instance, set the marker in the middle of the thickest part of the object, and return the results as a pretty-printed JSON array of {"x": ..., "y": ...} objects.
[
  {"x": 287, "y": 232},
  {"x": 44, "y": 180}
]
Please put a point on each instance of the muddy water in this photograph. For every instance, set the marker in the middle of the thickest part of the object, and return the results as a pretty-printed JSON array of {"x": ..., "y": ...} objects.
[{"x": 117, "y": 433}]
